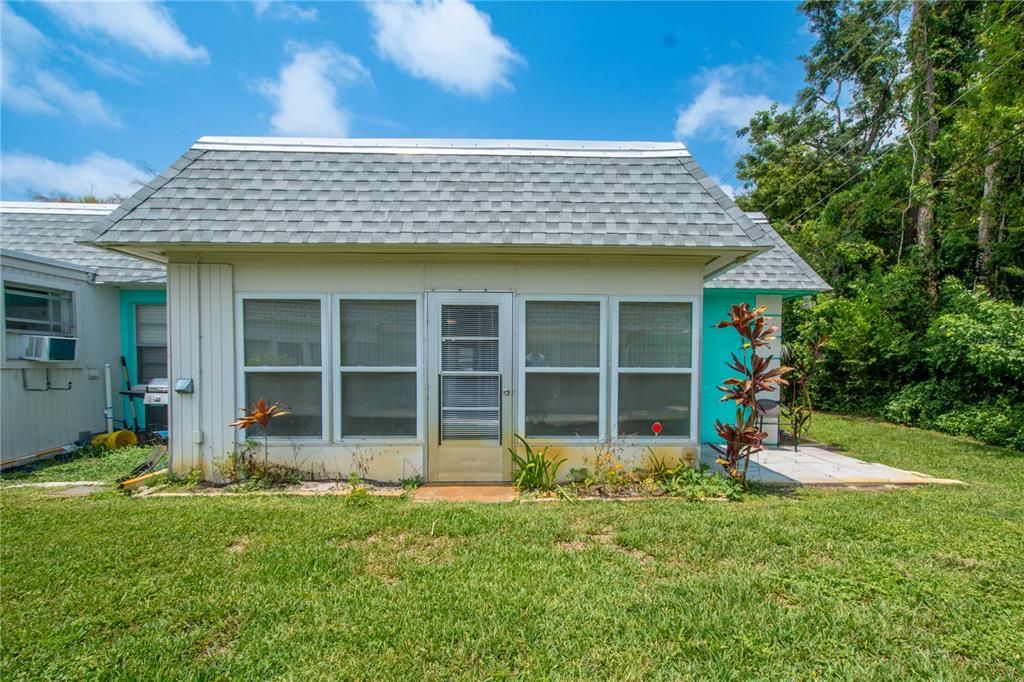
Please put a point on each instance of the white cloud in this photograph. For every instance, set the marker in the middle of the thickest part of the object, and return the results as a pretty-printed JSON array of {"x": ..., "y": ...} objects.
[
  {"x": 85, "y": 105},
  {"x": 721, "y": 107},
  {"x": 726, "y": 187},
  {"x": 146, "y": 26},
  {"x": 28, "y": 86},
  {"x": 287, "y": 11},
  {"x": 97, "y": 174},
  {"x": 306, "y": 91},
  {"x": 449, "y": 42},
  {"x": 106, "y": 67}
]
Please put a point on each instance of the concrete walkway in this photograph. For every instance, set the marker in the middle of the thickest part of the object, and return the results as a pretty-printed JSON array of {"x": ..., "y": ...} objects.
[
  {"x": 433, "y": 492},
  {"x": 819, "y": 467}
]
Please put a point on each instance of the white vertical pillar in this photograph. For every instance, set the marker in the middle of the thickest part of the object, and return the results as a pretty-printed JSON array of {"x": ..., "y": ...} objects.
[{"x": 773, "y": 316}]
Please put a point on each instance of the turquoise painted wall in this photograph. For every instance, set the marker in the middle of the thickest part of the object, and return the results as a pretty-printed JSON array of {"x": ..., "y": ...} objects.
[
  {"x": 129, "y": 298},
  {"x": 718, "y": 344}
]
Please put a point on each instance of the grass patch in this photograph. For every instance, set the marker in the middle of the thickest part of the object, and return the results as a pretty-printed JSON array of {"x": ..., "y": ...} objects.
[
  {"x": 910, "y": 583},
  {"x": 92, "y": 464}
]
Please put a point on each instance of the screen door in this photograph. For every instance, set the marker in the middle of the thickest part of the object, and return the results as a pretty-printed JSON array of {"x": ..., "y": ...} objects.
[{"x": 470, "y": 386}]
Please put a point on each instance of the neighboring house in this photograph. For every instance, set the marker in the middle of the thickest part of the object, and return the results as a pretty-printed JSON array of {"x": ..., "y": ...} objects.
[
  {"x": 416, "y": 303},
  {"x": 112, "y": 304},
  {"x": 764, "y": 280}
]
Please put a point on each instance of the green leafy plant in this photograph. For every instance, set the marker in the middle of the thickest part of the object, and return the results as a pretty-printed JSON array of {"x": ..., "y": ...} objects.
[
  {"x": 241, "y": 468},
  {"x": 744, "y": 437},
  {"x": 190, "y": 480},
  {"x": 797, "y": 408},
  {"x": 700, "y": 484},
  {"x": 533, "y": 470},
  {"x": 412, "y": 482}
]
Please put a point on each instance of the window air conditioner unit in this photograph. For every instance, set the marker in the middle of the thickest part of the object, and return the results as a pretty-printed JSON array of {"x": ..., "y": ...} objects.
[{"x": 49, "y": 348}]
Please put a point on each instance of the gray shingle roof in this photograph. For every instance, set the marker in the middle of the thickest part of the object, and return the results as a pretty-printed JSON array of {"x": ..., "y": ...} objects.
[
  {"x": 780, "y": 269},
  {"x": 402, "y": 192},
  {"x": 51, "y": 231}
]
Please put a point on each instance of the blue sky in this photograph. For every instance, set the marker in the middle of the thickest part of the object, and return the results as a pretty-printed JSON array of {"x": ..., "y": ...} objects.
[{"x": 94, "y": 95}]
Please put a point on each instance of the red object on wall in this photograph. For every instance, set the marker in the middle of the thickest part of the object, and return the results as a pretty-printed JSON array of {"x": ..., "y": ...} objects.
[{"x": 656, "y": 427}]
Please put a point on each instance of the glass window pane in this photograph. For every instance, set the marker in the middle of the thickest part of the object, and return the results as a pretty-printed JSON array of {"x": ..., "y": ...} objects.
[
  {"x": 378, "y": 404},
  {"x": 463, "y": 355},
  {"x": 469, "y": 320},
  {"x": 298, "y": 392},
  {"x": 655, "y": 334},
  {"x": 471, "y": 391},
  {"x": 480, "y": 425},
  {"x": 648, "y": 398},
  {"x": 562, "y": 404},
  {"x": 151, "y": 324},
  {"x": 152, "y": 363},
  {"x": 281, "y": 333},
  {"x": 563, "y": 333},
  {"x": 378, "y": 333},
  {"x": 38, "y": 310}
]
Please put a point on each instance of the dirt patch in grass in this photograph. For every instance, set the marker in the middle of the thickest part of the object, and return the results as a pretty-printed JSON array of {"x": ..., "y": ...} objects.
[
  {"x": 220, "y": 641},
  {"x": 239, "y": 546},
  {"x": 602, "y": 537},
  {"x": 387, "y": 555},
  {"x": 963, "y": 563}
]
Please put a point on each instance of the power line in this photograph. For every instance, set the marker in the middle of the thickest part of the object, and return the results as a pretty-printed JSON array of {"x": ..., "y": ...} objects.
[
  {"x": 868, "y": 167},
  {"x": 945, "y": 176},
  {"x": 877, "y": 117}
]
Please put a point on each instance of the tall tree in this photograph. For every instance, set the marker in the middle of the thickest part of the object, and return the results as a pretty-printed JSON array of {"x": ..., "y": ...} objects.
[{"x": 926, "y": 124}]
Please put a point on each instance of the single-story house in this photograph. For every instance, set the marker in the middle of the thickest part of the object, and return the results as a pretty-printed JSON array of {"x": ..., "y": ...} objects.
[
  {"x": 765, "y": 280},
  {"x": 74, "y": 308},
  {"x": 415, "y": 304}
]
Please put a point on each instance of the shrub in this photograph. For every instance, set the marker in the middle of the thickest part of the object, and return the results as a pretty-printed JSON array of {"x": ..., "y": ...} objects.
[{"x": 534, "y": 471}]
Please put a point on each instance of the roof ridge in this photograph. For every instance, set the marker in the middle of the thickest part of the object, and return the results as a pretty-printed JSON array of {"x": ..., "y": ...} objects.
[
  {"x": 56, "y": 207},
  {"x": 453, "y": 146},
  {"x": 749, "y": 227},
  {"x": 131, "y": 203}
]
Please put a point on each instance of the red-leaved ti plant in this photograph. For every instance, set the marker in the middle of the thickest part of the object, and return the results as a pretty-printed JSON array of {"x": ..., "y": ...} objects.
[
  {"x": 744, "y": 436},
  {"x": 260, "y": 414}
]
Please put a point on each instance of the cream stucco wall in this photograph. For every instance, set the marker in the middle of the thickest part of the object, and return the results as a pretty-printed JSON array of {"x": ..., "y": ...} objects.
[{"x": 324, "y": 274}]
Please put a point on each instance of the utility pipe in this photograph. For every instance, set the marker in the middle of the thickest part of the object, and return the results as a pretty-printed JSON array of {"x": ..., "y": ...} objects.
[{"x": 108, "y": 411}]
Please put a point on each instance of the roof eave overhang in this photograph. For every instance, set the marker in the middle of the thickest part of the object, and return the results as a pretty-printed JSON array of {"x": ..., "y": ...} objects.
[
  {"x": 161, "y": 253},
  {"x": 728, "y": 261}
]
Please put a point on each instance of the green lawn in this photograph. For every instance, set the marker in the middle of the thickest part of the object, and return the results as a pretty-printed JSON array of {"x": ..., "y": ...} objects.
[
  {"x": 921, "y": 583},
  {"x": 95, "y": 465}
]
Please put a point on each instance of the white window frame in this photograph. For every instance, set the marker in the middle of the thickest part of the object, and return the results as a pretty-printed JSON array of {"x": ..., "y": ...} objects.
[
  {"x": 53, "y": 293},
  {"x": 242, "y": 370},
  {"x": 337, "y": 369},
  {"x": 522, "y": 370},
  {"x": 693, "y": 370}
]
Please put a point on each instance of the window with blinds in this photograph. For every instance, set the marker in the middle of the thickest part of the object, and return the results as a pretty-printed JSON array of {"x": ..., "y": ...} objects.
[
  {"x": 150, "y": 341},
  {"x": 38, "y": 311},
  {"x": 562, "y": 360},
  {"x": 378, "y": 370},
  {"x": 470, "y": 373},
  {"x": 655, "y": 366},
  {"x": 283, "y": 362}
]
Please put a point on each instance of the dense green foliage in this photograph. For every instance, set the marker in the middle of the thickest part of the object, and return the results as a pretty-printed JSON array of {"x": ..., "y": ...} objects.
[
  {"x": 898, "y": 174},
  {"x": 921, "y": 583}
]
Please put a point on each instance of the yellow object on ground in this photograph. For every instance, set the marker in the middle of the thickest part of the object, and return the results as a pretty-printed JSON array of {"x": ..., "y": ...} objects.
[
  {"x": 141, "y": 481},
  {"x": 117, "y": 439}
]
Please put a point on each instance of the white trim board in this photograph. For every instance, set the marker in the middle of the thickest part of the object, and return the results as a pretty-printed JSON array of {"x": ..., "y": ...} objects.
[{"x": 445, "y": 146}]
